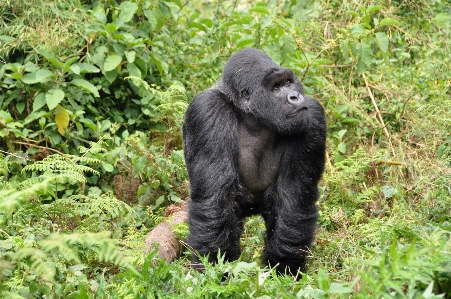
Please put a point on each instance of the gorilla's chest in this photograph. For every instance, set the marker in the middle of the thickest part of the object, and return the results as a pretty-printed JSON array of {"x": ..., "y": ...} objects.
[{"x": 258, "y": 159}]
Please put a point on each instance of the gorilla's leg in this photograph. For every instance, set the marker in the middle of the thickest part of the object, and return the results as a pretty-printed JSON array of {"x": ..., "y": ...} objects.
[
  {"x": 290, "y": 228},
  {"x": 214, "y": 228}
]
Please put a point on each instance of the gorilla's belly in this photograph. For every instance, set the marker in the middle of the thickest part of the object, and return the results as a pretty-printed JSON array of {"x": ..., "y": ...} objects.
[{"x": 257, "y": 174}]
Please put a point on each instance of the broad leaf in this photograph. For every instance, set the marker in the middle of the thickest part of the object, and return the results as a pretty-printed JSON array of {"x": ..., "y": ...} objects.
[
  {"x": 130, "y": 55},
  {"x": 53, "y": 97},
  {"x": 389, "y": 191},
  {"x": 260, "y": 10},
  {"x": 382, "y": 41},
  {"x": 86, "y": 86},
  {"x": 50, "y": 57},
  {"x": 99, "y": 14},
  {"x": 151, "y": 18},
  {"x": 342, "y": 147},
  {"x": 39, "y": 76},
  {"x": 357, "y": 30},
  {"x": 61, "y": 119},
  {"x": 111, "y": 62},
  {"x": 364, "y": 56},
  {"x": 388, "y": 22},
  {"x": 81, "y": 68},
  {"x": 128, "y": 9},
  {"x": 39, "y": 101},
  {"x": 133, "y": 70}
]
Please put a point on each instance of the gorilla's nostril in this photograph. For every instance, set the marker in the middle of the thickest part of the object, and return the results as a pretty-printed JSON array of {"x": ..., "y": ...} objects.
[{"x": 295, "y": 98}]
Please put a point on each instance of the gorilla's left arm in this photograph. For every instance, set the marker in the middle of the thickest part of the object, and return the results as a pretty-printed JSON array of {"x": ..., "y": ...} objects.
[{"x": 291, "y": 231}]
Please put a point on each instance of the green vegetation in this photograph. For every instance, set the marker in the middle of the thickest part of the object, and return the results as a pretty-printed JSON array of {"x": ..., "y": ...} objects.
[{"x": 92, "y": 100}]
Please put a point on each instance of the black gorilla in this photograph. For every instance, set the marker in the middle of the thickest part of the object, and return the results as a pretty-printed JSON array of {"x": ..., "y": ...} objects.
[{"x": 254, "y": 144}]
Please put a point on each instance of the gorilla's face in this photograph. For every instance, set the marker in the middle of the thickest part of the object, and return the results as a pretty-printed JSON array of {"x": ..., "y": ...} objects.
[{"x": 273, "y": 94}]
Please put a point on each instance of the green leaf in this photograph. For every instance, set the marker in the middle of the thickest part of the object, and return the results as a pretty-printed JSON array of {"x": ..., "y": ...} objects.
[
  {"x": 99, "y": 56},
  {"x": 39, "y": 101},
  {"x": 128, "y": 9},
  {"x": 382, "y": 41},
  {"x": 342, "y": 147},
  {"x": 364, "y": 56},
  {"x": 245, "y": 42},
  {"x": 53, "y": 97},
  {"x": 350, "y": 120},
  {"x": 106, "y": 124},
  {"x": 265, "y": 22},
  {"x": 110, "y": 28},
  {"x": 133, "y": 70},
  {"x": 34, "y": 116},
  {"x": 111, "y": 75},
  {"x": 90, "y": 124},
  {"x": 199, "y": 26},
  {"x": 111, "y": 62},
  {"x": 50, "y": 57},
  {"x": 6, "y": 38},
  {"x": 151, "y": 18},
  {"x": 20, "y": 106},
  {"x": 130, "y": 55},
  {"x": 39, "y": 76},
  {"x": 162, "y": 66},
  {"x": 86, "y": 86},
  {"x": 374, "y": 8},
  {"x": 443, "y": 20},
  {"x": 357, "y": 30},
  {"x": 389, "y": 191},
  {"x": 243, "y": 267},
  {"x": 82, "y": 68},
  {"x": 341, "y": 133},
  {"x": 70, "y": 61},
  {"x": 142, "y": 65},
  {"x": 99, "y": 14},
  {"x": 260, "y": 10},
  {"x": 338, "y": 288},
  {"x": 388, "y": 22},
  {"x": 108, "y": 167}
]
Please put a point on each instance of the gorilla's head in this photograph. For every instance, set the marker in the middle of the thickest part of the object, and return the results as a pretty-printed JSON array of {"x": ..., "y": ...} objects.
[{"x": 273, "y": 94}]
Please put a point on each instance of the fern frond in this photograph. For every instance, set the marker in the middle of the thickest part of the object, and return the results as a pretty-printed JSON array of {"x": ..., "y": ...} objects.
[
  {"x": 367, "y": 194},
  {"x": 40, "y": 261},
  {"x": 12, "y": 198},
  {"x": 63, "y": 164},
  {"x": 71, "y": 247},
  {"x": 104, "y": 203}
]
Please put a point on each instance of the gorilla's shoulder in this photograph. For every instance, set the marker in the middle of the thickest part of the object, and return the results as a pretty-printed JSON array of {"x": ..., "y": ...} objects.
[{"x": 210, "y": 101}]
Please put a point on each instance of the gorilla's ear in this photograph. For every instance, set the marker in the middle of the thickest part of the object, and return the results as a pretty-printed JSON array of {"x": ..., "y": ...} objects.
[{"x": 245, "y": 94}]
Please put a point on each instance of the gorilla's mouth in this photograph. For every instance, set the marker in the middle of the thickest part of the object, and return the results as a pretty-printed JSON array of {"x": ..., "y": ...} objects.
[{"x": 297, "y": 111}]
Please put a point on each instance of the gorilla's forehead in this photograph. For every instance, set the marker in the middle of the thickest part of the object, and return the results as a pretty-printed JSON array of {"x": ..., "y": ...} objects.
[{"x": 279, "y": 74}]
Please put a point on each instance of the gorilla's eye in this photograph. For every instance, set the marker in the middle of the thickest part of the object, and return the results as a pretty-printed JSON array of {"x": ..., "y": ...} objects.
[
  {"x": 276, "y": 87},
  {"x": 288, "y": 82},
  {"x": 245, "y": 94}
]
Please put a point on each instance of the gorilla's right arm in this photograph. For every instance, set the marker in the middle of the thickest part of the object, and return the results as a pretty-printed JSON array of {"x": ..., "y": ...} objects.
[{"x": 211, "y": 148}]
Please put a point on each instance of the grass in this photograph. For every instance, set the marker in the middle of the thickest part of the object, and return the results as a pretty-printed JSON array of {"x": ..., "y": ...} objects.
[{"x": 385, "y": 222}]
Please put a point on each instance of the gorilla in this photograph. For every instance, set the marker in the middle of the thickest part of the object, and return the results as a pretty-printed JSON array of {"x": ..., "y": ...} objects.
[{"x": 254, "y": 144}]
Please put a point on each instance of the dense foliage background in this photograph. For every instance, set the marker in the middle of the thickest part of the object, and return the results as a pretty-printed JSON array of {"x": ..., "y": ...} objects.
[{"x": 92, "y": 100}]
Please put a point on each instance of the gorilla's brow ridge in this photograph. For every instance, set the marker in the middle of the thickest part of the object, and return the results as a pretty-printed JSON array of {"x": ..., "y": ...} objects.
[{"x": 276, "y": 75}]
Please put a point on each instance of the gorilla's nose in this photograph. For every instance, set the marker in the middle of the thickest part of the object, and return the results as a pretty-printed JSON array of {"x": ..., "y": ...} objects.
[{"x": 295, "y": 99}]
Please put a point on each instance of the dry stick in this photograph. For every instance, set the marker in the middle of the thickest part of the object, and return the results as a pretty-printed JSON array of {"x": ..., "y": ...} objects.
[
  {"x": 378, "y": 113},
  {"x": 38, "y": 146}
]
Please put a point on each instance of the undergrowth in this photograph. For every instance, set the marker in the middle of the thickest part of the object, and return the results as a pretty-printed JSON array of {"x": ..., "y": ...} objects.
[{"x": 92, "y": 100}]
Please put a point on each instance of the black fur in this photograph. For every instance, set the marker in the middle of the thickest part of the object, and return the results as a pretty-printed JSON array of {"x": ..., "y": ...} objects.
[{"x": 254, "y": 144}]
